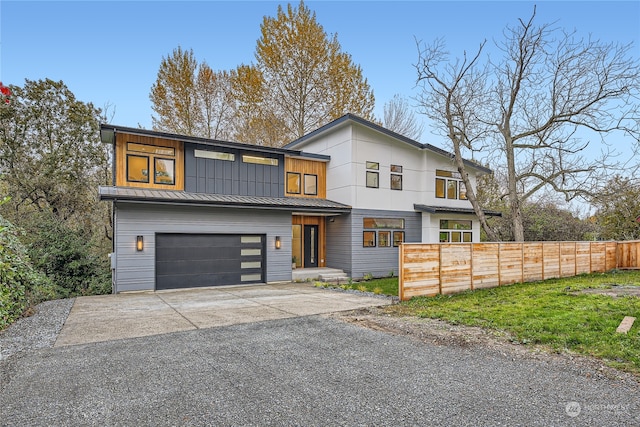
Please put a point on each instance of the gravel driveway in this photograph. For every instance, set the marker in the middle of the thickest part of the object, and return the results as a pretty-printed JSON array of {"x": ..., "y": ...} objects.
[{"x": 314, "y": 370}]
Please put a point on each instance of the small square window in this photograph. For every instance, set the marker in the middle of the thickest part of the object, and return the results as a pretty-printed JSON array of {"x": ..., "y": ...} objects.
[
  {"x": 396, "y": 168},
  {"x": 369, "y": 239},
  {"x": 373, "y": 165},
  {"x": 164, "y": 171},
  {"x": 311, "y": 185},
  {"x": 372, "y": 179},
  {"x": 137, "y": 168},
  {"x": 444, "y": 236},
  {"x": 396, "y": 182},
  {"x": 384, "y": 239},
  {"x": 398, "y": 237},
  {"x": 293, "y": 183},
  {"x": 467, "y": 237}
]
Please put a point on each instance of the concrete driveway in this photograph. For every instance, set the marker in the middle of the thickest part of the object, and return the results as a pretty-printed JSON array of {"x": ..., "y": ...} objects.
[{"x": 139, "y": 314}]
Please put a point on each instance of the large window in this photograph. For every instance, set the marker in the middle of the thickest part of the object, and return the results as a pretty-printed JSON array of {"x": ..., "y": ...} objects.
[
  {"x": 144, "y": 160},
  {"x": 293, "y": 183},
  {"x": 385, "y": 238},
  {"x": 165, "y": 171},
  {"x": 449, "y": 185},
  {"x": 456, "y": 231},
  {"x": 137, "y": 168}
]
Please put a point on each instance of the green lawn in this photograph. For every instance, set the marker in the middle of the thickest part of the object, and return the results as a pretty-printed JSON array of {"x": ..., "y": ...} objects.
[{"x": 551, "y": 313}]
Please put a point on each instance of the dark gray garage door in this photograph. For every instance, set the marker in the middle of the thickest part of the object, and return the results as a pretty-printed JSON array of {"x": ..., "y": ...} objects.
[{"x": 193, "y": 260}]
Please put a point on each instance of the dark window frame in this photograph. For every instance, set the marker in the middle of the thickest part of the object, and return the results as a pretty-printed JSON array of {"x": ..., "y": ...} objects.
[
  {"x": 377, "y": 175},
  {"x": 396, "y": 243},
  {"x": 140, "y": 157},
  {"x": 305, "y": 184},
  {"x": 299, "y": 183},
  {"x": 372, "y": 234},
  {"x": 155, "y": 170},
  {"x": 391, "y": 181}
]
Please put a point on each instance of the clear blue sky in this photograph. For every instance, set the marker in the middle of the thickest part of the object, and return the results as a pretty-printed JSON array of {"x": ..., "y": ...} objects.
[{"x": 108, "y": 52}]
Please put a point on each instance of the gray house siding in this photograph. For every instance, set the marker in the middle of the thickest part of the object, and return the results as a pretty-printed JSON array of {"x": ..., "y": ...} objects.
[
  {"x": 378, "y": 261},
  {"x": 136, "y": 270},
  {"x": 338, "y": 243},
  {"x": 203, "y": 175}
]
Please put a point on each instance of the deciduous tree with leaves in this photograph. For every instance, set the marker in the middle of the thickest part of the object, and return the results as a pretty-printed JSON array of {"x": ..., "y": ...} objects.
[
  {"x": 306, "y": 79},
  {"x": 526, "y": 111}
]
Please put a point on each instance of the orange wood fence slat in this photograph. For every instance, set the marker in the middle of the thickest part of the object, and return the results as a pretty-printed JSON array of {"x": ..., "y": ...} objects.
[{"x": 445, "y": 268}]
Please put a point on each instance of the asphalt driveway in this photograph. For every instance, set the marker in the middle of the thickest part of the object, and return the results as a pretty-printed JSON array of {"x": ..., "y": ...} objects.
[
  {"x": 275, "y": 362},
  {"x": 138, "y": 314}
]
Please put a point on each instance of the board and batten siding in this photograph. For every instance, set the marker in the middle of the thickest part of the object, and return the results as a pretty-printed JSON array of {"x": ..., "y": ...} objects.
[
  {"x": 135, "y": 271},
  {"x": 357, "y": 261},
  {"x": 213, "y": 176}
]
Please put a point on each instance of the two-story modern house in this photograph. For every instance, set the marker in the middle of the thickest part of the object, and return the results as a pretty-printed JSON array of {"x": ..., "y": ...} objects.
[{"x": 192, "y": 212}]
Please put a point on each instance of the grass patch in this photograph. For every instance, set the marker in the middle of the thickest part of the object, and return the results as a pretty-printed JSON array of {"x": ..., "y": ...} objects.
[
  {"x": 551, "y": 313},
  {"x": 386, "y": 286}
]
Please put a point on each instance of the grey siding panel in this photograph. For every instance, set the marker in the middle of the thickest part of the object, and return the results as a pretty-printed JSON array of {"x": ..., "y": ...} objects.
[
  {"x": 232, "y": 178},
  {"x": 338, "y": 243},
  {"x": 136, "y": 270},
  {"x": 379, "y": 261}
]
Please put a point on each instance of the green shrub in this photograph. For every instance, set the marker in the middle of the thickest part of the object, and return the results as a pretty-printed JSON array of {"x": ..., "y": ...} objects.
[
  {"x": 21, "y": 286},
  {"x": 67, "y": 256}
]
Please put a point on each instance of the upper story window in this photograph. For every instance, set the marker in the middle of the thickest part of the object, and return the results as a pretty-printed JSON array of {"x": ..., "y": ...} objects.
[
  {"x": 310, "y": 184},
  {"x": 260, "y": 160},
  {"x": 215, "y": 155},
  {"x": 293, "y": 183},
  {"x": 396, "y": 177},
  {"x": 146, "y": 160},
  {"x": 373, "y": 178},
  {"x": 449, "y": 185}
]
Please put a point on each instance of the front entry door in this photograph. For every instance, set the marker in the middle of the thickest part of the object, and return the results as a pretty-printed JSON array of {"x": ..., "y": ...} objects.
[{"x": 310, "y": 246}]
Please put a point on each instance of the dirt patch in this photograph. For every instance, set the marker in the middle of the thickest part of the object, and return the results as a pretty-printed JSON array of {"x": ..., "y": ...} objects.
[
  {"x": 438, "y": 332},
  {"x": 614, "y": 291}
]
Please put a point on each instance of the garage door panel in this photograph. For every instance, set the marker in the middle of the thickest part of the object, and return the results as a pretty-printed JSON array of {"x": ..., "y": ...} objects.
[
  {"x": 198, "y": 253},
  {"x": 196, "y": 260},
  {"x": 185, "y": 267},
  {"x": 199, "y": 280}
]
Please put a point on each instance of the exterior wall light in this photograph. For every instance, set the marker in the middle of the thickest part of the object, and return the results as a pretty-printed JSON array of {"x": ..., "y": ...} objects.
[
  {"x": 278, "y": 242},
  {"x": 139, "y": 243}
]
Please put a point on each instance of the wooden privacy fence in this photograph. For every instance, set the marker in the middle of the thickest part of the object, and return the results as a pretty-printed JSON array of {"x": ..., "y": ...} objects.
[{"x": 446, "y": 268}]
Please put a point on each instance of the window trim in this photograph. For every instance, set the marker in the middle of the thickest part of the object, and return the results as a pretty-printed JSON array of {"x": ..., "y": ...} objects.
[
  {"x": 315, "y": 193},
  {"x": 155, "y": 171},
  {"x": 364, "y": 239},
  {"x": 396, "y": 243},
  {"x": 387, "y": 240},
  {"x": 377, "y": 179},
  {"x": 299, "y": 183},
  {"x": 140, "y": 157},
  {"x": 372, "y": 165},
  {"x": 391, "y": 181}
]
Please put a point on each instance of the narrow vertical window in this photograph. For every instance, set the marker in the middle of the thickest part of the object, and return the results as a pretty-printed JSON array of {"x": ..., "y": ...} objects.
[
  {"x": 372, "y": 179},
  {"x": 293, "y": 183},
  {"x": 311, "y": 184}
]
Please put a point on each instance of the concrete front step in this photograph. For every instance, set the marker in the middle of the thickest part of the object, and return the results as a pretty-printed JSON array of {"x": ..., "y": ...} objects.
[
  {"x": 334, "y": 277},
  {"x": 323, "y": 274}
]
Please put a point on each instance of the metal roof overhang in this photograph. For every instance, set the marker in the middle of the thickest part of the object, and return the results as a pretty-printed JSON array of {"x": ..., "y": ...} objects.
[
  {"x": 451, "y": 210},
  {"x": 297, "y": 204}
]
